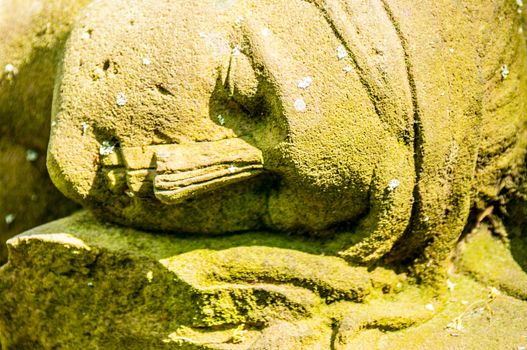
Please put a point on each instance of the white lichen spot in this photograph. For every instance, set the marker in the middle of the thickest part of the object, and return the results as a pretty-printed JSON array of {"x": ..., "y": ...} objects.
[
  {"x": 451, "y": 50},
  {"x": 84, "y": 127},
  {"x": 98, "y": 73},
  {"x": 494, "y": 292},
  {"x": 53, "y": 123},
  {"x": 215, "y": 43},
  {"x": 31, "y": 155},
  {"x": 504, "y": 72},
  {"x": 266, "y": 32},
  {"x": 521, "y": 347},
  {"x": 300, "y": 105},
  {"x": 208, "y": 311},
  {"x": 341, "y": 52},
  {"x": 238, "y": 20},
  {"x": 86, "y": 36},
  {"x": 90, "y": 284},
  {"x": 430, "y": 307},
  {"x": 394, "y": 183},
  {"x": 9, "y": 218},
  {"x": 149, "y": 276},
  {"x": 9, "y": 68},
  {"x": 519, "y": 3},
  {"x": 236, "y": 50},
  {"x": 221, "y": 119},
  {"x": 146, "y": 60},
  {"x": 456, "y": 324},
  {"x": 520, "y": 30},
  {"x": 106, "y": 148},
  {"x": 232, "y": 169},
  {"x": 238, "y": 335},
  {"x": 426, "y": 219},
  {"x": 129, "y": 193},
  {"x": 305, "y": 82},
  {"x": 464, "y": 302},
  {"x": 348, "y": 69},
  {"x": 121, "y": 99},
  {"x": 450, "y": 285},
  {"x": 10, "y": 71}
]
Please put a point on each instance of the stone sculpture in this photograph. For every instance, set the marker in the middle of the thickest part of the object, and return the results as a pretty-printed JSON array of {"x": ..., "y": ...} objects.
[
  {"x": 278, "y": 174},
  {"x": 369, "y": 117}
]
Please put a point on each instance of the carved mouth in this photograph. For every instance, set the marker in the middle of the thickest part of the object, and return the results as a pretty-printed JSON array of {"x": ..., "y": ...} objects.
[{"x": 177, "y": 172}]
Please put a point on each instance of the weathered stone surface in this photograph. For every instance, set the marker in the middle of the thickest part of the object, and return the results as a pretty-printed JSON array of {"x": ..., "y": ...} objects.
[
  {"x": 279, "y": 155},
  {"x": 33, "y": 36},
  {"x": 79, "y": 283},
  {"x": 507, "y": 268},
  {"x": 394, "y": 118}
]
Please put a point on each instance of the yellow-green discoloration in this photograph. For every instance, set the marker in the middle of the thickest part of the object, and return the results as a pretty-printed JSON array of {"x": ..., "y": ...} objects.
[
  {"x": 372, "y": 121},
  {"x": 33, "y": 36},
  {"x": 506, "y": 269},
  {"x": 374, "y": 129},
  {"x": 101, "y": 298}
]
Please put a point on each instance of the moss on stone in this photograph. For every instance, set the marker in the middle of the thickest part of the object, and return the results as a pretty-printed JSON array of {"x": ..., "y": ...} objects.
[
  {"x": 33, "y": 37},
  {"x": 504, "y": 270},
  {"x": 78, "y": 283},
  {"x": 400, "y": 126}
]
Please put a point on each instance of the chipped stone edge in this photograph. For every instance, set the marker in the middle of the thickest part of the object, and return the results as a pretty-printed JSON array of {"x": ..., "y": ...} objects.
[{"x": 62, "y": 238}]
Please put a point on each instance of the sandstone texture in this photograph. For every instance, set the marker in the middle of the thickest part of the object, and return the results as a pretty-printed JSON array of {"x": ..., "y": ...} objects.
[
  {"x": 384, "y": 122},
  {"x": 264, "y": 174},
  {"x": 80, "y": 283}
]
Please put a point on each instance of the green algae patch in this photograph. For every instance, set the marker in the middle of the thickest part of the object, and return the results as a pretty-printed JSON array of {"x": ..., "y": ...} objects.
[
  {"x": 103, "y": 285},
  {"x": 488, "y": 258},
  {"x": 330, "y": 277},
  {"x": 473, "y": 316},
  {"x": 78, "y": 283},
  {"x": 233, "y": 118},
  {"x": 87, "y": 227},
  {"x": 33, "y": 37}
]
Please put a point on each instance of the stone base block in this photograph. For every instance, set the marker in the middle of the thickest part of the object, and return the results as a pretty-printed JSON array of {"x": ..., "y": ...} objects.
[{"x": 78, "y": 283}]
